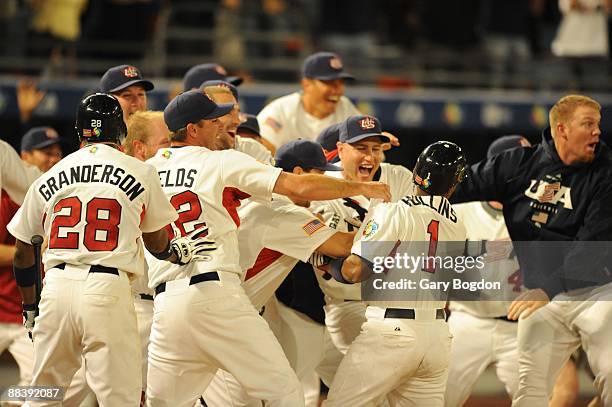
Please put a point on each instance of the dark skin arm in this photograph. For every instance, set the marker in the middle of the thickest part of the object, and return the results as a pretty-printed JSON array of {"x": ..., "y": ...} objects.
[
  {"x": 157, "y": 241},
  {"x": 24, "y": 257}
]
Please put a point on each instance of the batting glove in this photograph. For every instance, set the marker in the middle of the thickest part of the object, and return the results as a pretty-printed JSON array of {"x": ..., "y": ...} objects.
[
  {"x": 192, "y": 247},
  {"x": 29, "y": 314},
  {"x": 317, "y": 259}
]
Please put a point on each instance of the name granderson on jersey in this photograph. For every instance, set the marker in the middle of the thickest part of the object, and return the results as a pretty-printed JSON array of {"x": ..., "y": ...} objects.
[{"x": 92, "y": 173}]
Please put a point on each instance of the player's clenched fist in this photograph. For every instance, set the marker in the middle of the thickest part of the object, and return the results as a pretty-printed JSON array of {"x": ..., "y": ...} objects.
[{"x": 376, "y": 190}]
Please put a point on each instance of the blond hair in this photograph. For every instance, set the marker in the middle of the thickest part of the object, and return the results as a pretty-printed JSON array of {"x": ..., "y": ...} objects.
[
  {"x": 139, "y": 128},
  {"x": 565, "y": 107}
]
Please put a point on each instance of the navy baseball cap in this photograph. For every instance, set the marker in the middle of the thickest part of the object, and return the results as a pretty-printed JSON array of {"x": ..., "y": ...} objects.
[
  {"x": 249, "y": 123},
  {"x": 197, "y": 75},
  {"x": 191, "y": 107},
  {"x": 329, "y": 137},
  {"x": 39, "y": 137},
  {"x": 357, "y": 128},
  {"x": 121, "y": 77},
  {"x": 303, "y": 153},
  {"x": 222, "y": 84},
  {"x": 504, "y": 143},
  {"x": 324, "y": 66}
]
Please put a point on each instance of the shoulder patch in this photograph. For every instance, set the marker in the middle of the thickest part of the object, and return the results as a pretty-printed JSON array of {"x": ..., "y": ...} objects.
[
  {"x": 370, "y": 229},
  {"x": 313, "y": 226}
]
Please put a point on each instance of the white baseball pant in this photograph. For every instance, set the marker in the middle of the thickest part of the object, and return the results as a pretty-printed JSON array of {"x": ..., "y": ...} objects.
[
  {"x": 202, "y": 327},
  {"x": 477, "y": 343},
  {"x": 548, "y": 337}
]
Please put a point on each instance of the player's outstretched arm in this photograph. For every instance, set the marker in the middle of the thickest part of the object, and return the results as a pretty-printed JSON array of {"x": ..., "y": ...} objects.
[
  {"x": 314, "y": 187},
  {"x": 338, "y": 245}
]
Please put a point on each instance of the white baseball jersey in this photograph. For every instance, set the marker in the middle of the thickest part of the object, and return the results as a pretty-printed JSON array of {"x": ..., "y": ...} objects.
[
  {"x": 16, "y": 176},
  {"x": 93, "y": 205},
  {"x": 413, "y": 219},
  {"x": 486, "y": 225},
  {"x": 206, "y": 188},
  {"x": 285, "y": 119},
  {"x": 272, "y": 239},
  {"x": 335, "y": 212},
  {"x": 255, "y": 149}
]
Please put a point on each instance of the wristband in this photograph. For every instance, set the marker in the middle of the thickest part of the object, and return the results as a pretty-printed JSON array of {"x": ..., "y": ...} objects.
[
  {"x": 164, "y": 254},
  {"x": 25, "y": 277},
  {"x": 29, "y": 307},
  {"x": 336, "y": 271}
]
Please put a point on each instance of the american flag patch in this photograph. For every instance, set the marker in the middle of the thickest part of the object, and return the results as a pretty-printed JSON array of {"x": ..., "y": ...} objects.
[
  {"x": 312, "y": 226},
  {"x": 87, "y": 133},
  {"x": 276, "y": 126}
]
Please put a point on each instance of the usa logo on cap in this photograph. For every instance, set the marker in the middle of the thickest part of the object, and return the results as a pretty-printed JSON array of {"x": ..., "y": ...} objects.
[
  {"x": 367, "y": 123},
  {"x": 130, "y": 72},
  {"x": 335, "y": 63},
  {"x": 220, "y": 70},
  {"x": 51, "y": 133}
]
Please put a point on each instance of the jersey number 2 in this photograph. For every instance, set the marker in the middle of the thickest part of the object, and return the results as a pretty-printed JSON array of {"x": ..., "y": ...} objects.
[
  {"x": 102, "y": 217},
  {"x": 432, "y": 230}
]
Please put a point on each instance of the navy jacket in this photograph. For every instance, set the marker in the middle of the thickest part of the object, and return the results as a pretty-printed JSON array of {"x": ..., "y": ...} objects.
[{"x": 558, "y": 216}]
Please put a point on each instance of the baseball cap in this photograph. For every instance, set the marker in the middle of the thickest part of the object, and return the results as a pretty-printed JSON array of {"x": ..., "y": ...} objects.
[
  {"x": 304, "y": 153},
  {"x": 329, "y": 137},
  {"x": 504, "y": 143},
  {"x": 121, "y": 77},
  {"x": 357, "y": 128},
  {"x": 324, "y": 66},
  {"x": 191, "y": 107},
  {"x": 39, "y": 137},
  {"x": 222, "y": 84},
  {"x": 197, "y": 75},
  {"x": 249, "y": 123}
]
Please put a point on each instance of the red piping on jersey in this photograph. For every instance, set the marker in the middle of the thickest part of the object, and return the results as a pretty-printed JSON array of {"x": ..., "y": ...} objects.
[
  {"x": 264, "y": 259},
  {"x": 231, "y": 201}
]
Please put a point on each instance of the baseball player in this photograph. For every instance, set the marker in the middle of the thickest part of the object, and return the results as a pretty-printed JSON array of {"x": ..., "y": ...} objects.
[
  {"x": 402, "y": 352},
  {"x": 557, "y": 192},
  {"x": 224, "y": 92},
  {"x": 146, "y": 133},
  {"x": 482, "y": 333},
  {"x": 198, "y": 74},
  {"x": 37, "y": 149},
  {"x": 206, "y": 188},
  {"x": 126, "y": 83},
  {"x": 320, "y": 103},
  {"x": 360, "y": 152},
  {"x": 271, "y": 240},
  {"x": 94, "y": 204},
  {"x": 249, "y": 128},
  {"x": 40, "y": 146}
]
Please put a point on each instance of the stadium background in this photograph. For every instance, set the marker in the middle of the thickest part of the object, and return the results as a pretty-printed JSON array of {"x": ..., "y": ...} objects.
[{"x": 429, "y": 69}]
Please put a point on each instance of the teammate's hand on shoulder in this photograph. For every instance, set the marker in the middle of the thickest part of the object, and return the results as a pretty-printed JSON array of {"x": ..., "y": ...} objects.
[
  {"x": 376, "y": 190},
  {"x": 527, "y": 303},
  {"x": 193, "y": 247},
  {"x": 29, "y": 315}
]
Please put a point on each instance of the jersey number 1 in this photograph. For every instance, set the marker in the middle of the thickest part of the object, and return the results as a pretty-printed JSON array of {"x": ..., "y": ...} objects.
[
  {"x": 102, "y": 217},
  {"x": 432, "y": 230}
]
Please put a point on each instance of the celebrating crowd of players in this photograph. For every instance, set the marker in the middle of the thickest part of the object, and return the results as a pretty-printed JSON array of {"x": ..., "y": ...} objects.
[{"x": 160, "y": 278}]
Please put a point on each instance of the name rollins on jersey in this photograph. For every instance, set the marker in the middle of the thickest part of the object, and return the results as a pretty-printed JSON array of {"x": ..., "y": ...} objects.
[
  {"x": 92, "y": 173},
  {"x": 443, "y": 208}
]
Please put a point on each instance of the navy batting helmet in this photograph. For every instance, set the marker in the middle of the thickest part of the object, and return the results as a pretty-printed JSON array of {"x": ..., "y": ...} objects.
[
  {"x": 439, "y": 168},
  {"x": 99, "y": 119}
]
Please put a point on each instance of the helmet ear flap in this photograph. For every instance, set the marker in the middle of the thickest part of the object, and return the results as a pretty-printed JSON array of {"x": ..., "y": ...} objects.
[
  {"x": 439, "y": 168},
  {"x": 99, "y": 119}
]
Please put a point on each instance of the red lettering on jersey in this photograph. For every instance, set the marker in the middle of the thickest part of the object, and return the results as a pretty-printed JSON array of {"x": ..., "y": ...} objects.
[
  {"x": 264, "y": 259},
  {"x": 231, "y": 201}
]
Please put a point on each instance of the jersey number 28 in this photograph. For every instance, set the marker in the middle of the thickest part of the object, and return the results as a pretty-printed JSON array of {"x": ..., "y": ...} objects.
[{"x": 102, "y": 217}]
